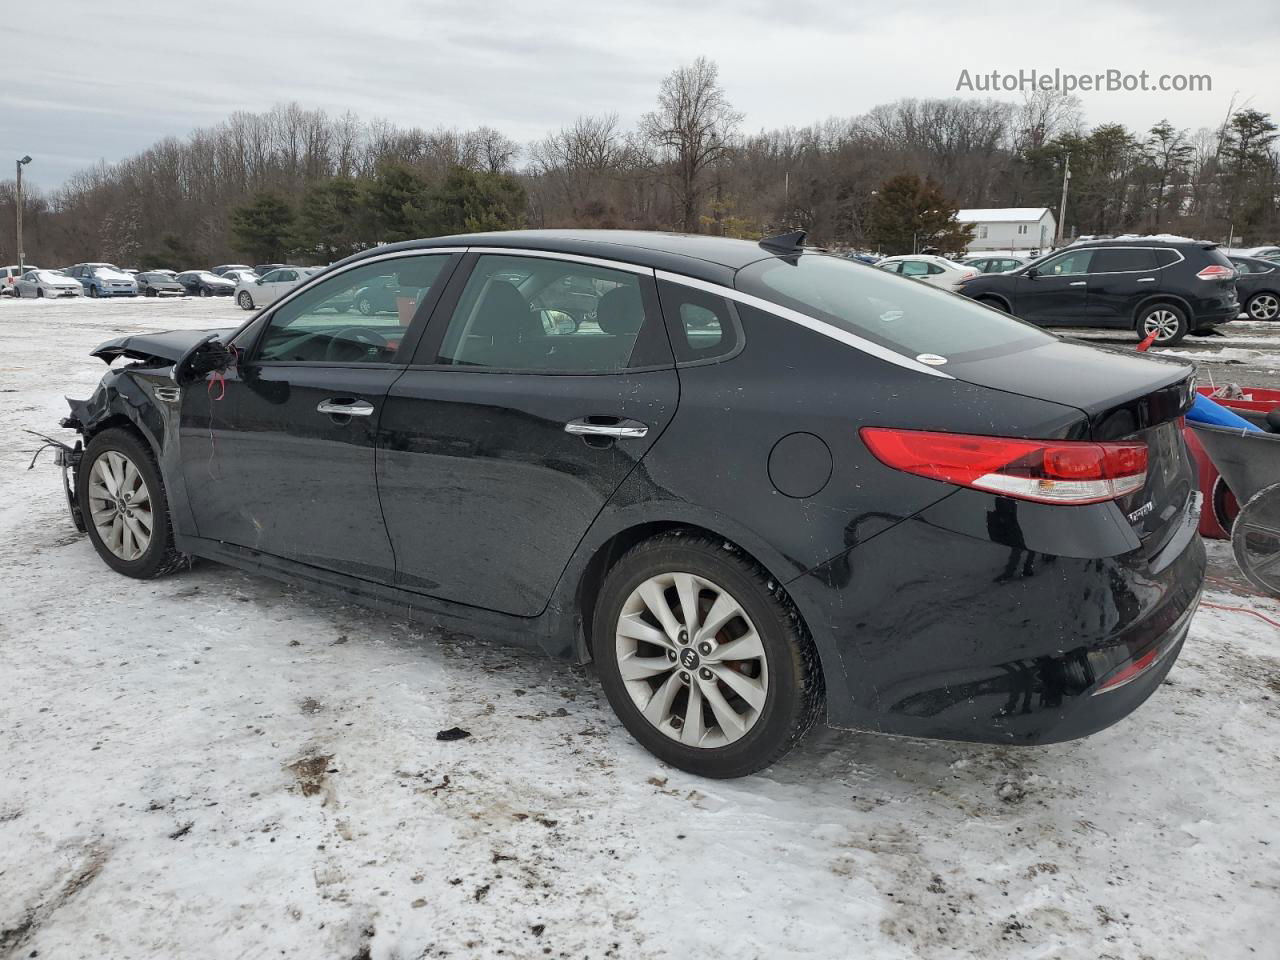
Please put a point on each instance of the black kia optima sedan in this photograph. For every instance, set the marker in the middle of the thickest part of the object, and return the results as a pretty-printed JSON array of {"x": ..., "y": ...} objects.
[{"x": 751, "y": 482}]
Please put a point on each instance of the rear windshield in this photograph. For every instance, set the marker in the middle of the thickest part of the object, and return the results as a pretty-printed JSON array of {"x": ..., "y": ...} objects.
[{"x": 904, "y": 315}]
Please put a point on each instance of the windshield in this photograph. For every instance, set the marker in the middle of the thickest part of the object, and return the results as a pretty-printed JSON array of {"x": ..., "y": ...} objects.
[{"x": 905, "y": 315}]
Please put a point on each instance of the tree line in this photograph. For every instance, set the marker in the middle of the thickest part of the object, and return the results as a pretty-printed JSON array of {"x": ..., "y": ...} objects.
[{"x": 298, "y": 183}]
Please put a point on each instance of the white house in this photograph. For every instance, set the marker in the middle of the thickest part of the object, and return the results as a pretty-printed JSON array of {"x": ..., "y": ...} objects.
[{"x": 1010, "y": 228}]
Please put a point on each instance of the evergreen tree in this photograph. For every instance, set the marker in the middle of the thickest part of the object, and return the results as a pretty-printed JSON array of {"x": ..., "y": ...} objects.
[
  {"x": 471, "y": 201},
  {"x": 397, "y": 199},
  {"x": 261, "y": 228},
  {"x": 329, "y": 219},
  {"x": 909, "y": 214}
]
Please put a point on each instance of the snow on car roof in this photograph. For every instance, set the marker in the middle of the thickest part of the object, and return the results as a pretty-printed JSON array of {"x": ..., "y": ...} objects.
[{"x": 1002, "y": 215}]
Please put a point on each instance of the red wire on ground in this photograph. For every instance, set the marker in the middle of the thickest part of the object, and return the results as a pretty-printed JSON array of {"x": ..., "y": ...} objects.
[{"x": 1224, "y": 606}]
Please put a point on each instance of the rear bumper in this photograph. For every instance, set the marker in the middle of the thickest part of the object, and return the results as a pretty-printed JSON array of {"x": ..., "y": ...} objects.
[{"x": 933, "y": 629}]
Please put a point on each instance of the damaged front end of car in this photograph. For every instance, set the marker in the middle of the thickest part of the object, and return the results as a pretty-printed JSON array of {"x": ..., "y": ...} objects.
[{"x": 144, "y": 395}]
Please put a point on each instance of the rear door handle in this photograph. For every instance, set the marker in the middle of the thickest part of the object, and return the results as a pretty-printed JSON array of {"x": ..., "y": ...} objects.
[
  {"x": 584, "y": 427},
  {"x": 1078, "y": 283},
  {"x": 345, "y": 407}
]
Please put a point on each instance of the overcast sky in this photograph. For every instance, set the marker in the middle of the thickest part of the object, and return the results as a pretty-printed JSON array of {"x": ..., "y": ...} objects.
[{"x": 83, "y": 84}]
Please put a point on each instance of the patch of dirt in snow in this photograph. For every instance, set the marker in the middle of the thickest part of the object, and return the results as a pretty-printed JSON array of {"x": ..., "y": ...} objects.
[{"x": 213, "y": 764}]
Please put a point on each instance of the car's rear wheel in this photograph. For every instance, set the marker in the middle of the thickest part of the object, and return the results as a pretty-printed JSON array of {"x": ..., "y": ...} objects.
[
  {"x": 1263, "y": 306},
  {"x": 1167, "y": 322},
  {"x": 245, "y": 301},
  {"x": 703, "y": 658},
  {"x": 123, "y": 501}
]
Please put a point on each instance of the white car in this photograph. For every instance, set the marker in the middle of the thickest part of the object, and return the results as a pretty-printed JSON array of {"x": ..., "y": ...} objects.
[
  {"x": 47, "y": 283},
  {"x": 936, "y": 271},
  {"x": 245, "y": 275},
  {"x": 252, "y": 294},
  {"x": 9, "y": 277}
]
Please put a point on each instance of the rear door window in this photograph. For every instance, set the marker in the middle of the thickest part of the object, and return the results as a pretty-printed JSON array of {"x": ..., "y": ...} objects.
[
  {"x": 908, "y": 318},
  {"x": 543, "y": 315}
]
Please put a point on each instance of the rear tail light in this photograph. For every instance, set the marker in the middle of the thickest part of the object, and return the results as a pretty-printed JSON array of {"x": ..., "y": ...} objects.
[
  {"x": 1132, "y": 670},
  {"x": 1045, "y": 471},
  {"x": 1216, "y": 271}
]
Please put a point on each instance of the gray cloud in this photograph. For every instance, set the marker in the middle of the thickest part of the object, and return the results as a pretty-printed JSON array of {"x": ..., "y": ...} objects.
[{"x": 115, "y": 82}]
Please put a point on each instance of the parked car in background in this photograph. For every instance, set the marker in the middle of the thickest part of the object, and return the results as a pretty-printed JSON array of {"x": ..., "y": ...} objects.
[
  {"x": 155, "y": 283},
  {"x": 9, "y": 276},
  {"x": 104, "y": 280},
  {"x": 202, "y": 283},
  {"x": 951, "y": 524},
  {"x": 1164, "y": 286},
  {"x": 224, "y": 268},
  {"x": 1258, "y": 286},
  {"x": 1265, "y": 252},
  {"x": 994, "y": 264},
  {"x": 165, "y": 270},
  {"x": 47, "y": 283},
  {"x": 263, "y": 269},
  {"x": 236, "y": 276},
  {"x": 935, "y": 271},
  {"x": 252, "y": 294}
]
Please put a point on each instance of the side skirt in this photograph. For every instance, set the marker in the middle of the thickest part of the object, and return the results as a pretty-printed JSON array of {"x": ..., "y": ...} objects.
[{"x": 548, "y": 634}]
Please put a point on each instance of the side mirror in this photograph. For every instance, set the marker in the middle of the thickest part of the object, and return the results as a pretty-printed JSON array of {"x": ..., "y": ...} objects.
[
  {"x": 1032, "y": 273},
  {"x": 258, "y": 281},
  {"x": 205, "y": 357}
]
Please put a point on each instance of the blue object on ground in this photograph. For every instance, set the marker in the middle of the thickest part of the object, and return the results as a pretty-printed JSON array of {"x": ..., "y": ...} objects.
[{"x": 1205, "y": 410}]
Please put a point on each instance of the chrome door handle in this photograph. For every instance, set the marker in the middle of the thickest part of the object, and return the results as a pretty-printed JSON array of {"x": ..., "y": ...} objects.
[
  {"x": 623, "y": 428},
  {"x": 1146, "y": 279},
  {"x": 1078, "y": 283},
  {"x": 345, "y": 407}
]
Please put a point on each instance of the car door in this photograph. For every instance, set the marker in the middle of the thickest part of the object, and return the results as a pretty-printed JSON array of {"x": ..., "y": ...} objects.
[
  {"x": 282, "y": 281},
  {"x": 279, "y": 458},
  {"x": 517, "y": 422},
  {"x": 1056, "y": 291},
  {"x": 1119, "y": 279}
]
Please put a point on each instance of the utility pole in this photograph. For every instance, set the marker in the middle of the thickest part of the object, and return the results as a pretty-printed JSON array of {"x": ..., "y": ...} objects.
[
  {"x": 21, "y": 259},
  {"x": 1062, "y": 206}
]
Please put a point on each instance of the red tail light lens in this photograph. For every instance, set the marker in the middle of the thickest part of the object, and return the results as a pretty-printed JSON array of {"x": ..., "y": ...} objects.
[
  {"x": 1216, "y": 271},
  {"x": 1132, "y": 671},
  {"x": 1045, "y": 471}
]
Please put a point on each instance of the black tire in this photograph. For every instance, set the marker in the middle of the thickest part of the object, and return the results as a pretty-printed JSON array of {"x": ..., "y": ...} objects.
[
  {"x": 39, "y": 293},
  {"x": 1171, "y": 319},
  {"x": 795, "y": 691},
  {"x": 151, "y": 292},
  {"x": 1267, "y": 305},
  {"x": 161, "y": 556},
  {"x": 1224, "y": 505},
  {"x": 245, "y": 300},
  {"x": 205, "y": 292},
  {"x": 93, "y": 292}
]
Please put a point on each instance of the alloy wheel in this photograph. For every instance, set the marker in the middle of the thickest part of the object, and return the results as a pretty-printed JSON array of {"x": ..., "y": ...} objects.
[
  {"x": 246, "y": 301},
  {"x": 1163, "y": 323},
  {"x": 120, "y": 505},
  {"x": 1265, "y": 306},
  {"x": 365, "y": 306},
  {"x": 691, "y": 660}
]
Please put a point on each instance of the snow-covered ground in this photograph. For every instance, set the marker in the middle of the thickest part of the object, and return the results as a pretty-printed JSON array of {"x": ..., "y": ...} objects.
[{"x": 212, "y": 765}]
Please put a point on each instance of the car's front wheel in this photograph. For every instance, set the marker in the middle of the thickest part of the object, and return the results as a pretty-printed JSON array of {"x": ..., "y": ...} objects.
[
  {"x": 206, "y": 292},
  {"x": 245, "y": 300},
  {"x": 93, "y": 291},
  {"x": 39, "y": 293},
  {"x": 123, "y": 501},
  {"x": 1167, "y": 322},
  {"x": 1263, "y": 306},
  {"x": 703, "y": 658},
  {"x": 365, "y": 306}
]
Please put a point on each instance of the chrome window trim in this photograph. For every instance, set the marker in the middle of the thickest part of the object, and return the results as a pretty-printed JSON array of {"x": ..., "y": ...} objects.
[
  {"x": 571, "y": 257},
  {"x": 270, "y": 309},
  {"x": 806, "y": 321}
]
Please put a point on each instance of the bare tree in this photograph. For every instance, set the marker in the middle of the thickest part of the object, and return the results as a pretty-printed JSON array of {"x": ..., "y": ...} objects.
[{"x": 692, "y": 129}]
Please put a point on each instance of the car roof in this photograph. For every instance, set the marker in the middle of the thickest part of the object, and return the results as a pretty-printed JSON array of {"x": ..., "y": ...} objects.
[
  {"x": 715, "y": 259},
  {"x": 1160, "y": 240}
]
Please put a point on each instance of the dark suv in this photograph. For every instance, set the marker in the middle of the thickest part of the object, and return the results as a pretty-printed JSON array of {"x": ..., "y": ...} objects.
[{"x": 1166, "y": 287}]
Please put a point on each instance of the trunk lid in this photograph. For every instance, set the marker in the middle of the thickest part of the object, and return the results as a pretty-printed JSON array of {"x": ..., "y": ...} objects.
[{"x": 1121, "y": 395}]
